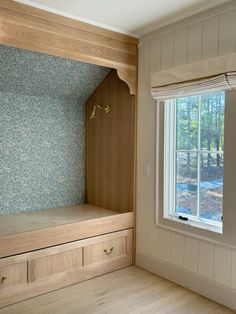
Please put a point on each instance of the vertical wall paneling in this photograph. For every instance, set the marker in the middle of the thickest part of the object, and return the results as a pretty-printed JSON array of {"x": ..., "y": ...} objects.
[
  {"x": 210, "y": 37},
  {"x": 222, "y": 265},
  {"x": 164, "y": 245},
  {"x": 110, "y": 147},
  {"x": 191, "y": 255},
  {"x": 195, "y": 42},
  {"x": 227, "y": 35},
  {"x": 153, "y": 236},
  {"x": 233, "y": 270},
  {"x": 206, "y": 260},
  {"x": 155, "y": 54},
  {"x": 167, "y": 51},
  {"x": 201, "y": 37},
  {"x": 177, "y": 249},
  {"x": 143, "y": 94},
  {"x": 180, "y": 46}
]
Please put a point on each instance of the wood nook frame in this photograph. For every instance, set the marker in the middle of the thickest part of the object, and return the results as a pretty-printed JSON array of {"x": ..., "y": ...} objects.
[{"x": 26, "y": 27}]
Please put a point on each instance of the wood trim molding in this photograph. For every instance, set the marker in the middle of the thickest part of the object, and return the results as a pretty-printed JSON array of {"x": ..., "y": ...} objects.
[
  {"x": 25, "y": 27},
  {"x": 29, "y": 10},
  {"x": 128, "y": 76}
]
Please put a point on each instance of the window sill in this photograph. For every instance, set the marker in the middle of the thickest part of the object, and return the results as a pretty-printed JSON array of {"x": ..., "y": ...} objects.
[{"x": 197, "y": 224}]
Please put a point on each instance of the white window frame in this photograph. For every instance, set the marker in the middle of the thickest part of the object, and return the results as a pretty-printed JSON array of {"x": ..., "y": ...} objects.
[{"x": 170, "y": 173}]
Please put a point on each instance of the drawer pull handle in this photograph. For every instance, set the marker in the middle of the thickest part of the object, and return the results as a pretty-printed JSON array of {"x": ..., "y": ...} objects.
[
  {"x": 3, "y": 279},
  {"x": 108, "y": 253}
]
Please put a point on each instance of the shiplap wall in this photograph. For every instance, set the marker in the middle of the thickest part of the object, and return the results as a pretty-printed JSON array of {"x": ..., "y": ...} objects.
[
  {"x": 200, "y": 37},
  {"x": 209, "y": 260},
  {"x": 211, "y": 37}
]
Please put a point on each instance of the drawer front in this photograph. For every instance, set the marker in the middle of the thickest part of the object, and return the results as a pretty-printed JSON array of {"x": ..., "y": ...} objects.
[
  {"x": 47, "y": 266},
  {"x": 15, "y": 274},
  {"x": 110, "y": 249}
]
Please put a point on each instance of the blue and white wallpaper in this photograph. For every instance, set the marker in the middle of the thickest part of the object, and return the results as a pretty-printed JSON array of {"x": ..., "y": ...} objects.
[{"x": 42, "y": 129}]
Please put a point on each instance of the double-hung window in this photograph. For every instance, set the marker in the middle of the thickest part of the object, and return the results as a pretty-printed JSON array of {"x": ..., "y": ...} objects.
[
  {"x": 195, "y": 97},
  {"x": 194, "y": 159}
]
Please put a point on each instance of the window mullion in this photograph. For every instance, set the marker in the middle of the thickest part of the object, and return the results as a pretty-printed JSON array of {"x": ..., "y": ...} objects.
[
  {"x": 198, "y": 157},
  {"x": 174, "y": 155}
]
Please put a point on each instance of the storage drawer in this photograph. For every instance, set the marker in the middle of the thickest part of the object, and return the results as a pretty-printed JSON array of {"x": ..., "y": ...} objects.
[
  {"x": 109, "y": 247},
  {"x": 47, "y": 266},
  {"x": 15, "y": 274},
  {"x": 59, "y": 266}
]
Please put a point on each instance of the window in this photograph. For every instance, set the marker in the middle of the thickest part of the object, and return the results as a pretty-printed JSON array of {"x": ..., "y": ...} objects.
[{"x": 194, "y": 160}]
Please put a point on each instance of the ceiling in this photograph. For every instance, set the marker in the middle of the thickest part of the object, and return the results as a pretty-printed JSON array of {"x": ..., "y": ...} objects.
[{"x": 133, "y": 17}]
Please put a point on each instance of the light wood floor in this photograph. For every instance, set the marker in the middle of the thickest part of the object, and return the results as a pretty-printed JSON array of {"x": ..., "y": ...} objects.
[{"x": 128, "y": 291}]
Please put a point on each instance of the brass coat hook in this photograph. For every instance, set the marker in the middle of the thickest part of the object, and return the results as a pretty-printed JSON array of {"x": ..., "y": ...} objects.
[{"x": 106, "y": 110}]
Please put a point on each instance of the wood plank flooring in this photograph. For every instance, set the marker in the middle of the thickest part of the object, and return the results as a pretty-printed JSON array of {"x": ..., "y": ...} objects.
[{"x": 130, "y": 290}]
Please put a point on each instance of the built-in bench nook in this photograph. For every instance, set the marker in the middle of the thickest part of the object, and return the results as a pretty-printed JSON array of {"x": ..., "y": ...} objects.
[{"x": 67, "y": 92}]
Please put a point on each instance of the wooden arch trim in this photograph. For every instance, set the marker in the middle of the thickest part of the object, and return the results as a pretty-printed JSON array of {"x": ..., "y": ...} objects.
[{"x": 26, "y": 27}]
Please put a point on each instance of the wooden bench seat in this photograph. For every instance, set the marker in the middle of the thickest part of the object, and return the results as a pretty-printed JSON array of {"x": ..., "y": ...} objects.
[{"x": 30, "y": 231}]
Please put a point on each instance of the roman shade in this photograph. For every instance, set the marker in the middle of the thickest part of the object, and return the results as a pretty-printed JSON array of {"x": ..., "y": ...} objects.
[{"x": 200, "y": 77}]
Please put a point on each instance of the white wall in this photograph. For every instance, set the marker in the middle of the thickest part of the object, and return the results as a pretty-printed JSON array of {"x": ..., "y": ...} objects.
[{"x": 204, "y": 256}]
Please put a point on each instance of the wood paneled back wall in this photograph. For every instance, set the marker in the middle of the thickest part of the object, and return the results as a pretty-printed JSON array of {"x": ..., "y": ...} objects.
[{"x": 110, "y": 147}]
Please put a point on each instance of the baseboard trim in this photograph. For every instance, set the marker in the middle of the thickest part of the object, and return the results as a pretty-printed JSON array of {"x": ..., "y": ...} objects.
[{"x": 206, "y": 288}]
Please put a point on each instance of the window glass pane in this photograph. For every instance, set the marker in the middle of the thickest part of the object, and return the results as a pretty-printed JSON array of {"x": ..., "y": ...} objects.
[
  {"x": 187, "y": 123},
  {"x": 212, "y": 121},
  {"x": 197, "y": 169},
  {"x": 211, "y": 186},
  {"x": 186, "y": 183}
]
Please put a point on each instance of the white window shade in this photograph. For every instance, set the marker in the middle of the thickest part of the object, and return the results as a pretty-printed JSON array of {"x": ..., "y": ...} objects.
[
  {"x": 231, "y": 77},
  {"x": 195, "y": 78},
  {"x": 221, "y": 82}
]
